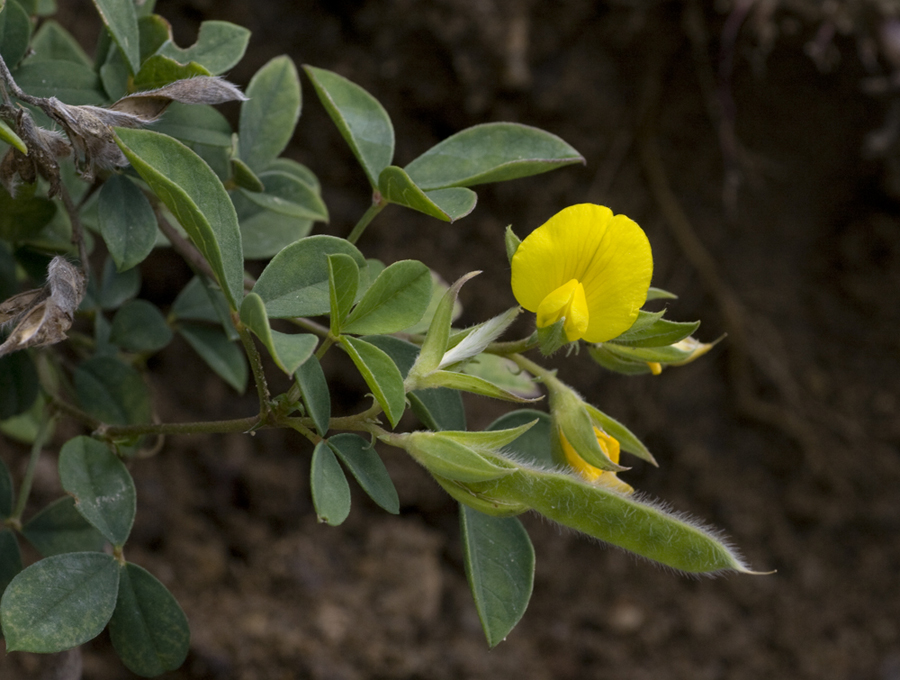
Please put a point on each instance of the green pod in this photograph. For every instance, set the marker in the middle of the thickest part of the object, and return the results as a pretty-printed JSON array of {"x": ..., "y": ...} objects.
[
  {"x": 639, "y": 527},
  {"x": 464, "y": 493}
]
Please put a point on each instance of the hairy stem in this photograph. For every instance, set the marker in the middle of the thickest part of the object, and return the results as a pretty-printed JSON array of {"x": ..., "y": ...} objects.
[{"x": 377, "y": 206}]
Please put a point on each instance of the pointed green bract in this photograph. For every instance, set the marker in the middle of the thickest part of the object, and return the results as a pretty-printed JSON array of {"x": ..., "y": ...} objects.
[
  {"x": 288, "y": 351},
  {"x": 59, "y": 602},
  {"x": 127, "y": 222},
  {"x": 361, "y": 120},
  {"x": 435, "y": 344},
  {"x": 488, "y": 440},
  {"x": 478, "y": 338},
  {"x": 361, "y": 458},
  {"x": 626, "y": 438},
  {"x": 396, "y": 300},
  {"x": 492, "y": 152},
  {"x": 448, "y": 205},
  {"x": 60, "y": 528},
  {"x": 270, "y": 114},
  {"x": 222, "y": 355},
  {"x": 330, "y": 491},
  {"x": 103, "y": 489},
  {"x": 220, "y": 45},
  {"x": 314, "y": 392},
  {"x": 534, "y": 445},
  {"x": 655, "y": 331},
  {"x": 447, "y": 457},
  {"x": 470, "y": 383},
  {"x": 148, "y": 628},
  {"x": 194, "y": 194},
  {"x": 499, "y": 562},
  {"x": 381, "y": 375},
  {"x": 121, "y": 20}
]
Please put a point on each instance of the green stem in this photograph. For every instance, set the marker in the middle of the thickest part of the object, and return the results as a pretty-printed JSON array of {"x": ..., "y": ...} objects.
[
  {"x": 377, "y": 206},
  {"x": 117, "y": 432},
  {"x": 546, "y": 375},
  {"x": 259, "y": 374},
  {"x": 513, "y": 346},
  {"x": 40, "y": 439}
]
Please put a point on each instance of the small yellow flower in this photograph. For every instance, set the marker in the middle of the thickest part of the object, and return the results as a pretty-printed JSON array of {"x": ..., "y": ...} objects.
[
  {"x": 595, "y": 475},
  {"x": 585, "y": 266}
]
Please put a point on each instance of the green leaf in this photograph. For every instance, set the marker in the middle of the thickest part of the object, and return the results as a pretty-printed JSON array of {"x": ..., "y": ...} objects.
[
  {"x": 10, "y": 137},
  {"x": 60, "y": 528},
  {"x": 343, "y": 282},
  {"x": 103, "y": 489},
  {"x": 7, "y": 492},
  {"x": 222, "y": 355},
  {"x": 360, "y": 118},
  {"x": 657, "y": 333},
  {"x": 112, "y": 391},
  {"x": 68, "y": 81},
  {"x": 115, "y": 287},
  {"x": 439, "y": 408},
  {"x": 21, "y": 218},
  {"x": 613, "y": 362},
  {"x": 503, "y": 373},
  {"x": 220, "y": 45},
  {"x": 202, "y": 300},
  {"x": 435, "y": 344},
  {"x": 492, "y": 152},
  {"x": 26, "y": 427},
  {"x": 490, "y": 440},
  {"x": 499, "y": 561},
  {"x": 644, "y": 354},
  {"x": 195, "y": 124},
  {"x": 245, "y": 178},
  {"x": 148, "y": 628},
  {"x": 158, "y": 71},
  {"x": 448, "y": 205},
  {"x": 154, "y": 31},
  {"x": 396, "y": 300},
  {"x": 314, "y": 392},
  {"x": 139, "y": 326},
  {"x": 298, "y": 170},
  {"x": 660, "y": 294},
  {"x": 450, "y": 459},
  {"x": 295, "y": 282},
  {"x": 330, "y": 491},
  {"x": 266, "y": 234},
  {"x": 127, "y": 222},
  {"x": 10, "y": 558},
  {"x": 470, "y": 383},
  {"x": 361, "y": 458},
  {"x": 196, "y": 197},
  {"x": 288, "y": 350},
  {"x": 121, "y": 20},
  {"x": 15, "y": 32},
  {"x": 59, "y": 602},
  {"x": 533, "y": 446},
  {"x": 285, "y": 194},
  {"x": 115, "y": 73},
  {"x": 270, "y": 114},
  {"x": 18, "y": 384},
  {"x": 380, "y": 374}
]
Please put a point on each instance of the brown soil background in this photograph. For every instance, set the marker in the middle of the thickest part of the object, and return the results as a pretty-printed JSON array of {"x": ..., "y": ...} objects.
[{"x": 786, "y": 436}]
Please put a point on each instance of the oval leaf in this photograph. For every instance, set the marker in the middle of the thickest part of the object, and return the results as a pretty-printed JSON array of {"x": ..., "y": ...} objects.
[
  {"x": 191, "y": 190},
  {"x": 220, "y": 45},
  {"x": 270, "y": 114},
  {"x": 112, "y": 391},
  {"x": 314, "y": 391},
  {"x": 121, "y": 20},
  {"x": 221, "y": 354},
  {"x": 127, "y": 221},
  {"x": 492, "y": 152},
  {"x": 288, "y": 350},
  {"x": 330, "y": 491},
  {"x": 148, "y": 628},
  {"x": 363, "y": 461},
  {"x": 447, "y": 204},
  {"x": 499, "y": 560},
  {"x": 15, "y": 32},
  {"x": 381, "y": 375},
  {"x": 139, "y": 326},
  {"x": 360, "y": 118},
  {"x": 10, "y": 558},
  {"x": 286, "y": 194},
  {"x": 396, "y": 300},
  {"x": 103, "y": 489},
  {"x": 59, "y": 602},
  {"x": 295, "y": 282},
  {"x": 60, "y": 528}
]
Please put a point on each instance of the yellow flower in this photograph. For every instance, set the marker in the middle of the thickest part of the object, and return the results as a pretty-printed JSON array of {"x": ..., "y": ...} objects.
[
  {"x": 587, "y": 267},
  {"x": 610, "y": 447}
]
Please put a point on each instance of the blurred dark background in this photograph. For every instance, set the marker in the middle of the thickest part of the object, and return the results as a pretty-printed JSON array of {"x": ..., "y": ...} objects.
[{"x": 756, "y": 144}]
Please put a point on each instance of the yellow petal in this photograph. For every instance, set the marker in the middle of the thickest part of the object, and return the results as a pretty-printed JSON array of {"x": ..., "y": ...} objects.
[
  {"x": 566, "y": 302},
  {"x": 609, "y": 255},
  {"x": 595, "y": 475}
]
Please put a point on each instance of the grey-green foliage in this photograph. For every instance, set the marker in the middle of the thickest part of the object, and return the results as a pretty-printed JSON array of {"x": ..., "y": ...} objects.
[{"x": 132, "y": 136}]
